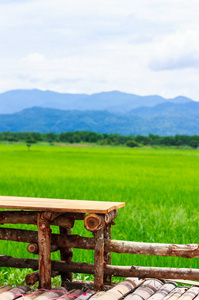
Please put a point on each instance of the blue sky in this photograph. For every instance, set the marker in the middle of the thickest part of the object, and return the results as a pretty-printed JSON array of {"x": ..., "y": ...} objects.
[{"x": 86, "y": 46}]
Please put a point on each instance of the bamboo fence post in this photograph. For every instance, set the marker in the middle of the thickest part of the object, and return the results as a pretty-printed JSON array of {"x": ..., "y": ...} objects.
[
  {"x": 99, "y": 259},
  {"x": 44, "y": 242},
  {"x": 107, "y": 254},
  {"x": 66, "y": 255}
]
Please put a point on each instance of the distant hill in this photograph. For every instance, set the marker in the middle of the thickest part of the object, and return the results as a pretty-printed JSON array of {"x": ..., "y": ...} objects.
[
  {"x": 162, "y": 119},
  {"x": 115, "y": 101}
]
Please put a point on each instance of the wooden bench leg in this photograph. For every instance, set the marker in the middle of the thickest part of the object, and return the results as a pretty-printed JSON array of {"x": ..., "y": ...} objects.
[
  {"x": 66, "y": 255},
  {"x": 44, "y": 242},
  {"x": 107, "y": 255},
  {"x": 99, "y": 260}
]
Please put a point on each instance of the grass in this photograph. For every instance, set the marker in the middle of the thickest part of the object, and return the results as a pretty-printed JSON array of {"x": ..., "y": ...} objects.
[{"x": 159, "y": 186}]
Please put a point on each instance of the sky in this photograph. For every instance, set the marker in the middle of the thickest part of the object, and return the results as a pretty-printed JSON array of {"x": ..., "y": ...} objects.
[{"x": 144, "y": 47}]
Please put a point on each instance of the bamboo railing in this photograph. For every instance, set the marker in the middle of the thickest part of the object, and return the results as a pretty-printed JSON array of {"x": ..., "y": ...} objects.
[{"x": 102, "y": 243}]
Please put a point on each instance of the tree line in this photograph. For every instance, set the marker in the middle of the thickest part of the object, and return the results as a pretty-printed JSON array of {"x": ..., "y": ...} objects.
[{"x": 101, "y": 138}]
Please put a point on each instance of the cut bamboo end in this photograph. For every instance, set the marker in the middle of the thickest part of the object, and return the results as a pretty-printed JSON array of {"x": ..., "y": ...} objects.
[
  {"x": 33, "y": 248},
  {"x": 94, "y": 222}
]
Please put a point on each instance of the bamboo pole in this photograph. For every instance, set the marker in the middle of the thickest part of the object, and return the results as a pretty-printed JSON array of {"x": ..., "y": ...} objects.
[
  {"x": 121, "y": 289},
  {"x": 44, "y": 242},
  {"x": 74, "y": 294},
  {"x": 66, "y": 255},
  {"x": 50, "y": 295},
  {"x": 119, "y": 271},
  {"x": 34, "y": 248},
  {"x": 189, "y": 282},
  {"x": 192, "y": 293},
  {"x": 5, "y": 289},
  {"x": 187, "y": 251},
  {"x": 29, "y": 236},
  {"x": 34, "y": 277},
  {"x": 163, "y": 291},
  {"x": 87, "y": 295},
  {"x": 176, "y": 293},
  {"x": 84, "y": 285},
  {"x": 30, "y": 217},
  {"x": 145, "y": 290},
  {"x": 8, "y": 295},
  {"x": 30, "y": 296},
  {"x": 51, "y": 215},
  {"x": 99, "y": 260},
  {"x": 107, "y": 254},
  {"x": 75, "y": 241},
  {"x": 109, "y": 217},
  {"x": 94, "y": 222},
  {"x": 97, "y": 295}
]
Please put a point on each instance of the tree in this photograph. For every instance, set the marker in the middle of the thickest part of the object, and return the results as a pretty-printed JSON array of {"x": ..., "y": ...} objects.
[
  {"x": 29, "y": 142},
  {"x": 132, "y": 143},
  {"x": 194, "y": 141}
]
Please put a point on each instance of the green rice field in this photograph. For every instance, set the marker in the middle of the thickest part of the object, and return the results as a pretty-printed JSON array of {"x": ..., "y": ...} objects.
[{"x": 159, "y": 186}]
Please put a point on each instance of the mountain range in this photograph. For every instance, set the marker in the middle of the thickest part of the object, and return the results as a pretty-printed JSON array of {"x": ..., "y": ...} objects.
[{"x": 106, "y": 112}]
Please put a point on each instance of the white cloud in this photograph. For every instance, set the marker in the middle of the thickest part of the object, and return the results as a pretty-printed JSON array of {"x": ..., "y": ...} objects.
[
  {"x": 176, "y": 51},
  {"x": 91, "y": 46}
]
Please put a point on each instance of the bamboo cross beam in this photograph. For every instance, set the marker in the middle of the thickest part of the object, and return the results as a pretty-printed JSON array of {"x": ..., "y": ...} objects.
[
  {"x": 75, "y": 241},
  {"x": 32, "y": 278},
  {"x": 30, "y": 217},
  {"x": 118, "y": 271}
]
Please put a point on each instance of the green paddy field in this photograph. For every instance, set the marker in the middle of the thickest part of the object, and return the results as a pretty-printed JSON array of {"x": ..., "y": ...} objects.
[{"x": 159, "y": 186}]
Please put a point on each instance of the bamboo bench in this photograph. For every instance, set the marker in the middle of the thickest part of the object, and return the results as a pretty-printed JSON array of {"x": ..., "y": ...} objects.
[{"x": 97, "y": 216}]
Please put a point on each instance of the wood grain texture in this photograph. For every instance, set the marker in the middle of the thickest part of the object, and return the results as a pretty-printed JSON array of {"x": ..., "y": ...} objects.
[{"x": 59, "y": 205}]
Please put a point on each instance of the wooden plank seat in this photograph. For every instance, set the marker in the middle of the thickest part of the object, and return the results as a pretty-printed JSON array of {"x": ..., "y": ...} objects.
[
  {"x": 97, "y": 216},
  {"x": 59, "y": 205}
]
